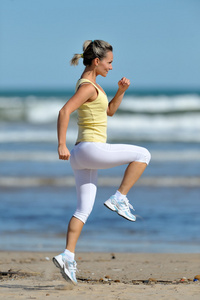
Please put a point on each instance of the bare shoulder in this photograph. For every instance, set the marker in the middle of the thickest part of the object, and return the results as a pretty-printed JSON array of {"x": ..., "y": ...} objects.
[{"x": 88, "y": 90}]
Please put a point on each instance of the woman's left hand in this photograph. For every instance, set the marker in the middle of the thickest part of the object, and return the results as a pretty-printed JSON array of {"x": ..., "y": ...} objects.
[{"x": 124, "y": 84}]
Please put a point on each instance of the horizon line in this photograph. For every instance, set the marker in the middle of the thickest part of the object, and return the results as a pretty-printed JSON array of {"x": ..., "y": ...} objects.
[{"x": 25, "y": 91}]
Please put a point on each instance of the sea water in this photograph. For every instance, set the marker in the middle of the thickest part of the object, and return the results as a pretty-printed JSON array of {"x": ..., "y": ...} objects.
[{"x": 37, "y": 192}]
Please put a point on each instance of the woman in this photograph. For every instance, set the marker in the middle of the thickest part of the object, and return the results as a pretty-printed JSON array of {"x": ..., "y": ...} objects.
[{"x": 91, "y": 152}]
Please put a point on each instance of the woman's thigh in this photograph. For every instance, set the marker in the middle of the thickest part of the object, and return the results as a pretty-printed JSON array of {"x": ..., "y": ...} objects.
[{"x": 90, "y": 155}]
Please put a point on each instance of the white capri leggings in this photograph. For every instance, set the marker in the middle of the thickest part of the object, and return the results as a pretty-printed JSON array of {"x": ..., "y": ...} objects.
[{"x": 87, "y": 157}]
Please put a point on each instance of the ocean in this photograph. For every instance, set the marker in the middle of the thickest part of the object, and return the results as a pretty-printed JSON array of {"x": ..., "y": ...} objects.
[{"x": 37, "y": 192}]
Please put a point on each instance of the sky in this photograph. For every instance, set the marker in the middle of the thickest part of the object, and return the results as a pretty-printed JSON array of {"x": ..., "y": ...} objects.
[{"x": 156, "y": 42}]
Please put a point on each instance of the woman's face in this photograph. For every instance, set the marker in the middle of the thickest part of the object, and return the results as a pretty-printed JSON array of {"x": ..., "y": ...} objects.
[{"x": 105, "y": 64}]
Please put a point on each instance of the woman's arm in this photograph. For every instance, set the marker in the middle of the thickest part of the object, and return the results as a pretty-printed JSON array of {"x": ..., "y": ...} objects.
[
  {"x": 113, "y": 105},
  {"x": 86, "y": 92}
]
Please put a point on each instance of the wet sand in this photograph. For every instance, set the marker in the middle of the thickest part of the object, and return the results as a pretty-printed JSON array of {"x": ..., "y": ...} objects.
[{"x": 32, "y": 275}]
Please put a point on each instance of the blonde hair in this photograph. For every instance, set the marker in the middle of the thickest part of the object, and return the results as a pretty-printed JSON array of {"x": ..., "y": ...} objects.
[{"x": 91, "y": 50}]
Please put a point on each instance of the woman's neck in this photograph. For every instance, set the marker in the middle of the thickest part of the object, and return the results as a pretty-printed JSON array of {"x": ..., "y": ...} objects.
[{"x": 90, "y": 74}]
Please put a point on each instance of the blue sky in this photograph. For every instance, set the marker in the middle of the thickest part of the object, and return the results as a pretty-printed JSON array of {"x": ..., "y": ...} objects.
[{"x": 156, "y": 42}]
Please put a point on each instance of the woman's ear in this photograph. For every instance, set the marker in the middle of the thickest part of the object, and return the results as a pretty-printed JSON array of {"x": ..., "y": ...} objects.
[{"x": 96, "y": 61}]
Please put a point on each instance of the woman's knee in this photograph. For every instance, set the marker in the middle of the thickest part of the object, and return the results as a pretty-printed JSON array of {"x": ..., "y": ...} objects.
[
  {"x": 147, "y": 156},
  {"x": 81, "y": 215},
  {"x": 144, "y": 156}
]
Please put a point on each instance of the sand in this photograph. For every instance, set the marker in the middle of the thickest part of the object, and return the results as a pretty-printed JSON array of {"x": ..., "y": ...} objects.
[{"x": 32, "y": 275}]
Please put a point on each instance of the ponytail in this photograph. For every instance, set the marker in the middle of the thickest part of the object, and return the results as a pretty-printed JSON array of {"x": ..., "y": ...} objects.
[{"x": 75, "y": 59}]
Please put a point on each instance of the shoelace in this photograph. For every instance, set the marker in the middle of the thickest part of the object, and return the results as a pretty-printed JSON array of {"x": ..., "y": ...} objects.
[
  {"x": 73, "y": 266},
  {"x": 128, "y": 204}
]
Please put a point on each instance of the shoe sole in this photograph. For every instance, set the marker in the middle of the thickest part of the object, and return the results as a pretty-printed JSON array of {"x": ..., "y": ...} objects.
[
  {"x": 111, "y": 207},
  {"x": 65, "y": 274},
  {"x": 127, "y": 217}
]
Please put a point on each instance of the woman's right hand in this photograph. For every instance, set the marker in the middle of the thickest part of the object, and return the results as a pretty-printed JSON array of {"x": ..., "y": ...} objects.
[{"x": 63, "y": 152}]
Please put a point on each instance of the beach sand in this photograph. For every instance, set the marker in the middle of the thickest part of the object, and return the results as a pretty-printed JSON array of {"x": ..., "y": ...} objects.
[{"x": 32, "y": 275}]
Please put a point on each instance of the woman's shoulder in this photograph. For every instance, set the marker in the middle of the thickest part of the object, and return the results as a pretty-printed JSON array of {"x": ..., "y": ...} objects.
[{"x": 86, "y": 82}]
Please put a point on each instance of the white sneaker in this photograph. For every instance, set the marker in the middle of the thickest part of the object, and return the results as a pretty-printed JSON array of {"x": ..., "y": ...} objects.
[
  {"x": 67, "y": 268},
  {"x": 122, "y": 207}
]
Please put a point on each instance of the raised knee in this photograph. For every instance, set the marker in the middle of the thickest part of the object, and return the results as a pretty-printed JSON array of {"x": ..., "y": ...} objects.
[{"x": 147, "y": 156}]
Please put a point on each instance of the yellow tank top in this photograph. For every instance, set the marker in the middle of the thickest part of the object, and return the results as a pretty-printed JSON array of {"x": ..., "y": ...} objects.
[{"x": 92, "y": 117}]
